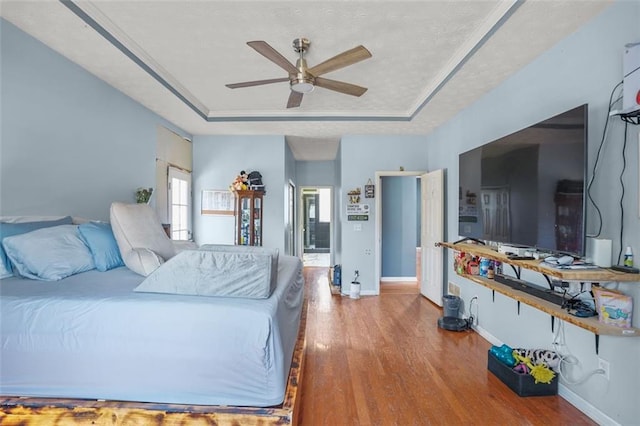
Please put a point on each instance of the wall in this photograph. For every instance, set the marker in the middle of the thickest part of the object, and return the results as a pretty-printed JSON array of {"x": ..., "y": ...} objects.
[
  {"x": 217, "y": 160},
  {"x": 70, "y": 143},
  {"x": 316, "y": 173},
  {"x": 583, "y": 68},
  {"x": 361, "y": 156}
]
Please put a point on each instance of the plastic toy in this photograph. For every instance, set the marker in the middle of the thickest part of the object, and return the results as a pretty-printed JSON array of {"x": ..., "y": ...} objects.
[
  {"x": 541, "y": 373},
  {"x": 505, "y": 354}
]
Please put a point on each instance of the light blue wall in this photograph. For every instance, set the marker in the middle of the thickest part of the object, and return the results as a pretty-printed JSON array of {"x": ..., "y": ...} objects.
[
  {"x": 583, "y": 68},
  {"x": 217, "y": 160},
  {"x": 361, "y": 157},
  {"x": 316, "y": 173},
  {"x": 70, "y": 143},
  {"x": 399, "y": 226}
]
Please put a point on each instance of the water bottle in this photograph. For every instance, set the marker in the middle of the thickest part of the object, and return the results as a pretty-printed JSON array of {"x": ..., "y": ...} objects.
[{"x": 628, "y": 257}]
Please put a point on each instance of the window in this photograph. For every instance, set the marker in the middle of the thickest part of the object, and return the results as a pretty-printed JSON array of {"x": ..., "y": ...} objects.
[{"x": 179, "y": 203}]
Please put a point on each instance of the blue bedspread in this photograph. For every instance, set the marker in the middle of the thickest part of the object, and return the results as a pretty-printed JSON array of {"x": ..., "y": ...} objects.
[{"x": 91, "y": 336}]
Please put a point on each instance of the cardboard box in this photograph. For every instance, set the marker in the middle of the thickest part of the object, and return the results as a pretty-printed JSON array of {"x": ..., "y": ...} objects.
[{"x": 522, "y": 384}]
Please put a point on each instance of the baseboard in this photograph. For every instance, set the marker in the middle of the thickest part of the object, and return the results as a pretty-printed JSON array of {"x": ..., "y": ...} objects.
[
  {"x": 592, "y": 412},
  {"x": 487, "y": 336},
  {"x": 564, "y": 392},
  {"x": 398, "y": 279}
]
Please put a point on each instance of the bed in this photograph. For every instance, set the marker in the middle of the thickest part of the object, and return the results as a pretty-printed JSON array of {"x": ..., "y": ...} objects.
[{"x": 89, "y": 345}]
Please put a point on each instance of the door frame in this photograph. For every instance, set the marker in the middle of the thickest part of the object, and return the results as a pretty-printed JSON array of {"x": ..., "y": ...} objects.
[
  {"x": 292, "y": 212},
  {"x": 300, "y": 219},
  {"x": 187, "y": 176},
  {"x": 378, "y": 220}
]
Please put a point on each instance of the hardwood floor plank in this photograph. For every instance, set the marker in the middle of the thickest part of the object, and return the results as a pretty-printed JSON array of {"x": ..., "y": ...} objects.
[{"x": 383, "y": 361}]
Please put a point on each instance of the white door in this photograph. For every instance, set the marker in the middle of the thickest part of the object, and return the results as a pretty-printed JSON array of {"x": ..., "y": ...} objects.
[
  {"x": 179, "y": 200},
  {"x": 432, "y": 209}
]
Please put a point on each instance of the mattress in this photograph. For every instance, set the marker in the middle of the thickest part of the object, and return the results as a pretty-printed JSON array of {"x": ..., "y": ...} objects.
[{"x": 91, "y": 336}]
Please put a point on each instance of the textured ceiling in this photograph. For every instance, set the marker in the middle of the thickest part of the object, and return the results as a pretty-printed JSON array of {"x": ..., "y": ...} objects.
[{"x": 430, "y": 58}]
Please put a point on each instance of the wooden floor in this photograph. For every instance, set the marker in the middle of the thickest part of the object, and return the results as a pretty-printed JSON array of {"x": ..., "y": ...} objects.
[{"x": 383, "y": 361}]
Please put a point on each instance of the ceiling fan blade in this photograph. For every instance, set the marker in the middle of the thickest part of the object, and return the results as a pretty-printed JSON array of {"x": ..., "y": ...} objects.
[
  {"x": 340, "y": 86},
  {"x": 263, "y": 48},
  {"x": 295, "y": 99},
  {"x": 341, "y": 60},
  {"x": 256, "y": 83}
]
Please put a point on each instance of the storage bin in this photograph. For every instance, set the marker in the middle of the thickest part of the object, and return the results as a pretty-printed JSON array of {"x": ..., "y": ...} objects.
[{"x": 522, "y": 384}]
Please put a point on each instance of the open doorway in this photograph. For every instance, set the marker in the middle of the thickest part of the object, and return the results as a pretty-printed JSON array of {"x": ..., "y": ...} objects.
[
  {"x": 316, "y": 209},
  {"x": 400, "y": 233},
  {"x": 429, "y": 259}
]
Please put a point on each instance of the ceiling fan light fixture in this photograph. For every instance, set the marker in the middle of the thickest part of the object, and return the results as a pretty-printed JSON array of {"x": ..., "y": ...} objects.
[
  {"x": 302, "y": 85},
  {"x": 303, "y": 79}
]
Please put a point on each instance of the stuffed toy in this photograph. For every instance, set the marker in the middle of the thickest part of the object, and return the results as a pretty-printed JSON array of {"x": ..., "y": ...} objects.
[
  {"x": 543, "y": 357},
  {"x": 240, "y": 182},
  {"x": 254, "y": 180},
  {"x": 540, "y": 372},
  {"x": 244, "y": 177}
]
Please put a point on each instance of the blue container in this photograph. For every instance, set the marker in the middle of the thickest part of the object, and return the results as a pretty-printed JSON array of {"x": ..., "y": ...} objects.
[
  {"x": 337, "y": 275},
  {"x": 484, "y": 266}
]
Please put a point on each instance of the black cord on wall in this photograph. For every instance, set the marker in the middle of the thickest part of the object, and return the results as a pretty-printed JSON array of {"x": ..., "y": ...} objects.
[
  {"x": 595, "y": 164},
  {"x": 624, "y": 166}
]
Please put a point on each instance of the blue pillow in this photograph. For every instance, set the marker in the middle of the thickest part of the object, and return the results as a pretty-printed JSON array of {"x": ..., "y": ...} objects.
[
  {"x": 9, "y": 229},
  {"x": 98, "y": 236},
  {"x": 49, "y": 254}
]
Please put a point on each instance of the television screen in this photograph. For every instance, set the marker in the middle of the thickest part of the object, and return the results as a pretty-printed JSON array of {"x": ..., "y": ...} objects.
[{"x": 528, "y": 188}]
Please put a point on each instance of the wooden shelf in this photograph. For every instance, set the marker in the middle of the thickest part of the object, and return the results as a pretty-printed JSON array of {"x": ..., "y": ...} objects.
[
  {"x": 592, "y": 324},
  {"x": 584, "y": 275}
]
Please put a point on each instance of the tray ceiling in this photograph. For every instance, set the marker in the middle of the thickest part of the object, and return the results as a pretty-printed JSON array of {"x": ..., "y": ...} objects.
[{"x": 430, "y": 60}]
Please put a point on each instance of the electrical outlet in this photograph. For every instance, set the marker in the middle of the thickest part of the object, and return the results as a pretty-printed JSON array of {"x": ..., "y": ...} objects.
[
  {"x": 453, "y": 289},
  {"x": 604, "y": 366}
]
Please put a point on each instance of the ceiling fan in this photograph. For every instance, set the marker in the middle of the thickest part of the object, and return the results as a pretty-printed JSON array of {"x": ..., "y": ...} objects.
[{"x": 303, "y": 79}]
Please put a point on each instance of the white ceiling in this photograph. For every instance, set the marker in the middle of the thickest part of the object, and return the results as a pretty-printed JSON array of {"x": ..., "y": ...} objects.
[{"x": 430, "y": 60}]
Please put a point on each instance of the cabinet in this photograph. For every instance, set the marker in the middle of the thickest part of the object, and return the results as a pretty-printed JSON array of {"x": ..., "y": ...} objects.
[
  {"x": 248, "y": 212},
  {"x": 585, "y": 275}
]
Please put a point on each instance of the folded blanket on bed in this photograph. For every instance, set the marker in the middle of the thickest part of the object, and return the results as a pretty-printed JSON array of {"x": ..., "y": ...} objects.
[{"x": 212, "y": 273}]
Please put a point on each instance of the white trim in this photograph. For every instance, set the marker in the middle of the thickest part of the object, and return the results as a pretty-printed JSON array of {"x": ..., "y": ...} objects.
[
  {"x": 393, "y": 279},
  {"x": 487, "y": 336},
  {"x": 378, "y": 223},
  {"x": 592, "y": 412}
]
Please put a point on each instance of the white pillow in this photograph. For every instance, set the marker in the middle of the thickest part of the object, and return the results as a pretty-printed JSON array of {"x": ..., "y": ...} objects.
[
  {"x": 143, "y": 244},
  {"x": 49, "y": 253}
]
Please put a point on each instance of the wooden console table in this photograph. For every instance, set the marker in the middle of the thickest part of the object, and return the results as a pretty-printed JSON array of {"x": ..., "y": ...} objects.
[{"x": 594, "y": 276}]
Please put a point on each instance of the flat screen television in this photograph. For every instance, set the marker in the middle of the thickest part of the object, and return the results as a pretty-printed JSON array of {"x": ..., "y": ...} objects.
[{"x": 528, "y": 188}]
